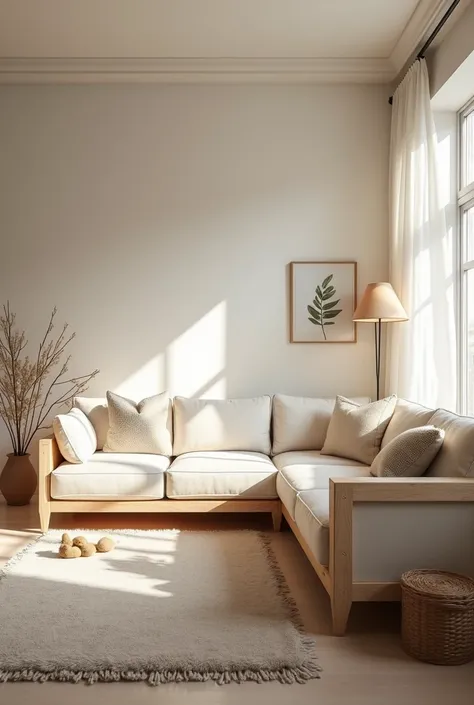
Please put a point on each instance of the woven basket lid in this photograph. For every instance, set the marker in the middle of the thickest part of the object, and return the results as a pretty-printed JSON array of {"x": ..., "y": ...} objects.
[{"x": 439, "y": 584}]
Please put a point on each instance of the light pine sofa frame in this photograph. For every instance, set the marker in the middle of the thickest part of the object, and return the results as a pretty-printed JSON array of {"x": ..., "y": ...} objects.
[
  {"x": 50, "y": 458},
  {"x": 337, "y": 578}
]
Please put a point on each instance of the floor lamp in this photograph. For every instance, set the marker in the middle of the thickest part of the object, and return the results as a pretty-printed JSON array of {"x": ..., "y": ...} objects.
[{"x": 379, "y": 304}]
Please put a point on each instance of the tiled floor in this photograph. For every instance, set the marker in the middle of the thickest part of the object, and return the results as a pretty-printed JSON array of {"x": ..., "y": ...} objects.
[{"x": 365, "y": 667}]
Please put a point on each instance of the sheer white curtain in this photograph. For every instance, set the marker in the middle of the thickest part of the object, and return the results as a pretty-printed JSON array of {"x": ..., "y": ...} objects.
[{"x": 421, "y": 352}]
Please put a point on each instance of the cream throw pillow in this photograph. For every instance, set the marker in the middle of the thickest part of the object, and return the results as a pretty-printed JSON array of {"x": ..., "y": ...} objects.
[
  {"x": 75, "y": 436},
  {"x": 145, "y": 427},
  {"x": 409, "y": 454},
  {"x": 356, "y": 431}
]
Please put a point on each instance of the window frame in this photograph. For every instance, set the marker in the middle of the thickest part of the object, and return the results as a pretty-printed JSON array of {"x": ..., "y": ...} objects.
[{"x": 465, "y": 201}]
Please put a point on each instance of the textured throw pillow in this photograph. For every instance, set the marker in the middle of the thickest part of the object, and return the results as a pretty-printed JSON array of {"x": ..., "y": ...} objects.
[
  {"x": 95, "y": 408},
  {"x": 410, "y": 454},
  {"x": 75, "y": 436},
  {"x": 145, "y": 427},
  {"x": 356, "y": 431}
]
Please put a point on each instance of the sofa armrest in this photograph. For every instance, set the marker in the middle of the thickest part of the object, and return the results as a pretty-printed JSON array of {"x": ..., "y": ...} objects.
[
  {"x": 405, "y": 489},
  {"x": 49, "y": 459},
  {"x": 420, "y": 521},
  {"x": 49, "y": 456}
]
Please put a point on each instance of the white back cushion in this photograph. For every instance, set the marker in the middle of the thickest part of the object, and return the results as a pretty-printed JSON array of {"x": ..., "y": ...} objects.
[
  {"x": 456, "y": 457},
  {"x": 301, "y": 423},
  {"x": 215, "y": 424},
  {"x": 75, "y": 436},
  {"x": 98, "y": 414},
  {"x": 407, "y": 415}
]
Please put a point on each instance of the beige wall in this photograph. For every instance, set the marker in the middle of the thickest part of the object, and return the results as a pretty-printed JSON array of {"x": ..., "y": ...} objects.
[{"x": 161, "y": 220}]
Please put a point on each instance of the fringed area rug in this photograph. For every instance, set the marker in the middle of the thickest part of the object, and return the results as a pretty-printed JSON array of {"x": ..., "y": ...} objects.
[{"x": 163, "y": 606}]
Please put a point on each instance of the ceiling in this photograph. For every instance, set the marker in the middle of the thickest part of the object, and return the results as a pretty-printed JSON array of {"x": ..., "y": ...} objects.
[
  {"x": 202, "y": 28},
  {"x": 352, "y": 36}
]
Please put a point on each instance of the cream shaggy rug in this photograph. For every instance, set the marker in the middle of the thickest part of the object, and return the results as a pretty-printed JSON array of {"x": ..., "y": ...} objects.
[{"x": 163, "y": 606}]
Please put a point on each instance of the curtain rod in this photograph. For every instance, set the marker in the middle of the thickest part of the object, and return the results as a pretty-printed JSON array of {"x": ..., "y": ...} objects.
[{"x": 434, "y": 34}]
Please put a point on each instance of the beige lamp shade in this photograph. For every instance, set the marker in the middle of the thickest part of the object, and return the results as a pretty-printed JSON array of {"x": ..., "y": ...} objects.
[{"x": 380, "y": 303}]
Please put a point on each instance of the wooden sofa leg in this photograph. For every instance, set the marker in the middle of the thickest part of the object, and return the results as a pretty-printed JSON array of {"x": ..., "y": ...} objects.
[
  {"x": 340, "y": 608},
  {"x": 276, "y": 518},
  {"x": 45, "y": 516},
  {"x": 340, "y": 554}
]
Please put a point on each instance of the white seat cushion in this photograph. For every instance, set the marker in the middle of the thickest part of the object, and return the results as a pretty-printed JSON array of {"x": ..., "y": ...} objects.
[
  {"x": 312, "y": 519},
  {"x": 222, "y": 475},
  {"x": 309, "y": 470},
  {"x": 109, "y": 476}
]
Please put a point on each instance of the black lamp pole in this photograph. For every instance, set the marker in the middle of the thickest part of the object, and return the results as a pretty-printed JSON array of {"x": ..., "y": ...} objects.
[{"x": 378, "y": 347}]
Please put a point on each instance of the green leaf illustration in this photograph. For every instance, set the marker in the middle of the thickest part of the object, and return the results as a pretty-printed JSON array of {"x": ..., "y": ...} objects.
[
  {"x": 332, "y": 314},
  {"x": 327, "y": 280},
  {"x": 315, "y": 314},
  {"x": 328, "y": 293},
  {"x": 323, "y": 309},
  {"x": 331, "y": 304}
]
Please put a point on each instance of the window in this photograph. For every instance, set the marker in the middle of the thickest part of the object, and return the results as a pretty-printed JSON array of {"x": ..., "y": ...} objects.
[{"x": 466, "y": 218}]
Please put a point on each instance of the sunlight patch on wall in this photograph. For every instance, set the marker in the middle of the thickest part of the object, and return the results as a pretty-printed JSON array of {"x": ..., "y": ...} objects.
[
  {"x": 443, "y": 154},
  {"x": 146, "y": 381},
  {"x": 196, "y": 360}
]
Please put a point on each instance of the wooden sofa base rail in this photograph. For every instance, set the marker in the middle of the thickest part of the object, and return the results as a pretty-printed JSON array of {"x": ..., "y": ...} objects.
[{"x": 170, "y": 506}]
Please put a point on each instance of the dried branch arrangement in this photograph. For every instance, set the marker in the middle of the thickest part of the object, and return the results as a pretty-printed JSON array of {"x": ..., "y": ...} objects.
[{"x": 31, "y": 388}]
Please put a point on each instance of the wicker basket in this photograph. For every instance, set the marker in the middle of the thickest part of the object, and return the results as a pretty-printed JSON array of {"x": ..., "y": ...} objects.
[{"x": 438, "y": 616}]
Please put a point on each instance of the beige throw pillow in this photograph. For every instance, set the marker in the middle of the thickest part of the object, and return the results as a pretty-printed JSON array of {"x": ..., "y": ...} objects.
[
  {"x": 356, "y": 431},
  {"x": 145, "y": 427},
  {"x": 409, "y": 454},
  {"x": 75, "y": 436}
]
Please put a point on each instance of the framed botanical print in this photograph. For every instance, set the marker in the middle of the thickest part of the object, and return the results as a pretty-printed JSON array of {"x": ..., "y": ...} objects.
[{"x": 323, "y": 298}]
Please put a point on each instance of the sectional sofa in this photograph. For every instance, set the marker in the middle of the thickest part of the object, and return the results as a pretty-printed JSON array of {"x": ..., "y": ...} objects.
[{"x": 263, "y": 455}]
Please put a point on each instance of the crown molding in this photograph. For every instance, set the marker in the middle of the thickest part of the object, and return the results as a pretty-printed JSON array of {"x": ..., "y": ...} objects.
[
  {"x": 24, "y": 71},
  {"x": 424, "y": 19}
]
